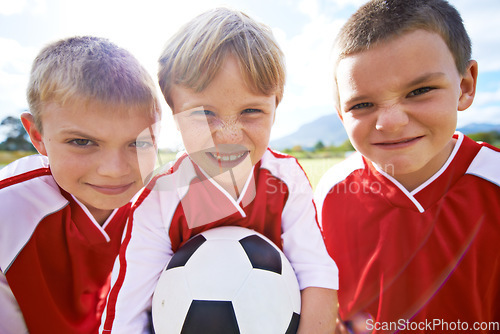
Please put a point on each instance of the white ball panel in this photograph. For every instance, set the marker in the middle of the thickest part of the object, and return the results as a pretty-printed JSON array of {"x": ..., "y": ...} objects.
[
  {"x": 227, "y": 232},
  {"x": 171, "y": 301},
  {"x": 216, "y": 270},
  {"x": 263, "y": 304}
]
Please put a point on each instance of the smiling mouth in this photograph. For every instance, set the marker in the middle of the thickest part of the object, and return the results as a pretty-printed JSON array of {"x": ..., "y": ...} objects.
[
  {"x": 111, "y": 190},
  {"x": 227, "y": 160},
  {"x": 227, "y": 157},
  {"x": 399, "y": 142}
]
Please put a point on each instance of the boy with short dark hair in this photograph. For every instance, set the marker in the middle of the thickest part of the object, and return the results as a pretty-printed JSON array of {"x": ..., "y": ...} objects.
[
  {"x": 223, "y": 76},
  {"x": 412, "y": 218},
  {"x": 93, "y": 109}
]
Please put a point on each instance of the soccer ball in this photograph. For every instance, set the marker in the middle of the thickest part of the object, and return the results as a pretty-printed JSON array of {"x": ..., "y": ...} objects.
[{"x": 227, "y": 280}]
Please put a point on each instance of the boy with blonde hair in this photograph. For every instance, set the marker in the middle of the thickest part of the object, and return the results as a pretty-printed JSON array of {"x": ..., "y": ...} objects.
[
  {"x": 223, "y": 76},
  {"x": 93, "y": 109},
  {"x": 412, "y": 219}
]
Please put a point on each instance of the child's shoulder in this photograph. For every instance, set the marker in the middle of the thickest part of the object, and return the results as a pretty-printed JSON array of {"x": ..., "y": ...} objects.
[
  {"x": 28, "y": 193},
  {"x": 340, "y": 171},
  {"x": 27, "y": 183},
  {"x": 173, "y": 174},
  {"x": 485, "y": 163},
  {"x": 25, "y": 168},
  {"x": 276, "y": 160}
]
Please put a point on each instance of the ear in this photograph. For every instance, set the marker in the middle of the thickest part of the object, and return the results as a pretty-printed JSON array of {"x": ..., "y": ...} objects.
[
  {"x": 339, "y": 113},
  {"x": 468, "y": 86},
  {"x": 35, "y": 135}
]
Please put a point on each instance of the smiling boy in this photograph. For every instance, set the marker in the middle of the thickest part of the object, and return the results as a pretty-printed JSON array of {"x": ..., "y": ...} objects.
[
  {"x": 223, "y": 75},
  {"x": 93, "y": 109},
  {"x": 421, "y": 241}
]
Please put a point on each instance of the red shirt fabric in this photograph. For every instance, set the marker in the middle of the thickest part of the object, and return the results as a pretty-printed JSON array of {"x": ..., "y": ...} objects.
[
  {"x": 425, "y": 261},
  {"x": 56, "y": 258}
]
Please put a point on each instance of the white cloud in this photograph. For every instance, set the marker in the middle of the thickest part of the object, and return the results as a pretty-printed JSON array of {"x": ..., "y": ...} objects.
[
  {"x": 484, "y": 109},
  {"x": 10, "y": 7},
  {"x": 482, "y": 24},
  {"x": 14, "y": 73},
  {"x": 308, "y": 94},
  {"x": 309, "y": 7}
]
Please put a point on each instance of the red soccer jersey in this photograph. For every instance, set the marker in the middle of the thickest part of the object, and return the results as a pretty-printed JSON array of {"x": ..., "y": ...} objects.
[
  {"x": 56, "y": 258},
  {"x": 425, "y": 261},
  {"x": 277, "y": 201}
]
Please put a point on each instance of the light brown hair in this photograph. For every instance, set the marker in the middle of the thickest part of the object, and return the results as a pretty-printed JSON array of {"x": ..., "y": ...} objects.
[
  {"x": 193, "y": 56},
  {"x": 88, "y": 68}
]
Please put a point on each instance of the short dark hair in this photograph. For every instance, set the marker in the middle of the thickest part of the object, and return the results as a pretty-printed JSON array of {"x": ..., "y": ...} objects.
[{"x": 380, "y": 20}]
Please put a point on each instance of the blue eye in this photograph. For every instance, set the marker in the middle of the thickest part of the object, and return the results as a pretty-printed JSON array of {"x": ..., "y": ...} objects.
[
  {"x": 143, "y": 144},
  {"x": 202, "y": 112}
]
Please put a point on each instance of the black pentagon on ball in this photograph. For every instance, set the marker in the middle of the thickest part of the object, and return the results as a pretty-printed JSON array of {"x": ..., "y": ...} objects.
[
  {"x": 294, "y": 324},
  {"x": 210, "y": 317},
  {"x": 183, "y": 254},
  {"x": 261, "y": 254}
]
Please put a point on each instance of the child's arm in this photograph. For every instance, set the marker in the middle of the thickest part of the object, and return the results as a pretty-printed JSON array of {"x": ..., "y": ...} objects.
[
  {"x": 304, "y": 247},
  {"x": 318, "y": 311}
]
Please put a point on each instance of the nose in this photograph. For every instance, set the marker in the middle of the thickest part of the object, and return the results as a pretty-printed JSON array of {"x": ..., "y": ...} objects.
[
  {"x": 113, "y": 163},
  {"x": 391, "y": 118},
  {"x": 228, "y": 131}
]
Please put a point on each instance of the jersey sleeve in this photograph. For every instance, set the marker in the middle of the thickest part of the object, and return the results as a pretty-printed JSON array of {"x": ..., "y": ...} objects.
[
  {"x": 302, "y": 239},
  {"x": 145, "y": 251},
  {"x": 11, "y": 318}
]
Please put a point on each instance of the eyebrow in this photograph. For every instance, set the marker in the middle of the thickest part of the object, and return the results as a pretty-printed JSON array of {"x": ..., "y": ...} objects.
[
  {"x": 76, "y": 133},
  {"x": 425, "y": 78},
  {"x": 79, "y": 134}
]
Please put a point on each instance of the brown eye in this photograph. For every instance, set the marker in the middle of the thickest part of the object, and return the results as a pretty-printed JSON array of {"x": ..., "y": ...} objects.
[
  {"x": 362, "y": 105},
  {"x": 81, "y": 142},
  {"x": 420, "y": 91}
]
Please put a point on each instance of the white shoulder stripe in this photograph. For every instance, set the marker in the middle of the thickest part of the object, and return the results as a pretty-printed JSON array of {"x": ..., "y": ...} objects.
[
  {"x": 23, "y": 206},
  {"x": 23, "y": 165},
  {"x": 486, "y": 165}
]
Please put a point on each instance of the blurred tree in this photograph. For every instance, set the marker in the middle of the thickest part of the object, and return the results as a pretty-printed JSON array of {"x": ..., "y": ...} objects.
[
  {"x": 16, "y": 138},
  {"x": 319, "y": 146},
  {"x": 491, "y": 137}
]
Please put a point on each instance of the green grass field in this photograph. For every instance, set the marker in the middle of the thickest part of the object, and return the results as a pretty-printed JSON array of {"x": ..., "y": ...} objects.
[{"x": 315, "y": 168}]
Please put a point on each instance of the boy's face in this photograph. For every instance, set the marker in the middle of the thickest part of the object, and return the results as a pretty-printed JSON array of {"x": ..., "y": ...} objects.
[
  {"x": 399, "y": 102},
  {"x": 98, "y": 155},
  {"x": 226, "y": 127}
]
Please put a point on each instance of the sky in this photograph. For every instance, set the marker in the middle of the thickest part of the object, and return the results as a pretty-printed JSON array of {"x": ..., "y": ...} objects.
[{"x": 305, "y": 29}]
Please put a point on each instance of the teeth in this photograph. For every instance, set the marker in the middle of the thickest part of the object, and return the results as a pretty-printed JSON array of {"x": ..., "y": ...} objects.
[{"x": 227, "y": 157}]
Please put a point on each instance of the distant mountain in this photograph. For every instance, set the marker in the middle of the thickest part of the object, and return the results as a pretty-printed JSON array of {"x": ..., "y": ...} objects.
[
  {"x": 479, "y": 127},
  {"x": 329, "y": 130}
]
